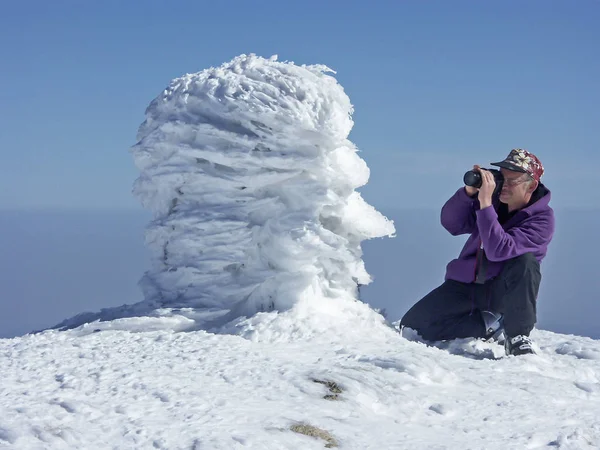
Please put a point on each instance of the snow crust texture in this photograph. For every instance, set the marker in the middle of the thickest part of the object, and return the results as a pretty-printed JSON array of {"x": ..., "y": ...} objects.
[
  {"x": 252, "y": 181},
  {"x": 369, "y": 388}
]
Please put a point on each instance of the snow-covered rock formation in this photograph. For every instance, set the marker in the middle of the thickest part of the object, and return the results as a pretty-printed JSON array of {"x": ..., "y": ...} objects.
[{"x": 252, "y": 181}]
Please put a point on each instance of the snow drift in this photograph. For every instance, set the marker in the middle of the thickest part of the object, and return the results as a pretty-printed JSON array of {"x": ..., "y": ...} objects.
[
  {"x": 251, "y": 179},
  {"x": 159, "y": 389}
]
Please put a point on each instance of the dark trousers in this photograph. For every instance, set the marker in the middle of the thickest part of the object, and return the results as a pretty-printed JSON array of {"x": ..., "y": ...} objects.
[{"x": 453, "y": 310}]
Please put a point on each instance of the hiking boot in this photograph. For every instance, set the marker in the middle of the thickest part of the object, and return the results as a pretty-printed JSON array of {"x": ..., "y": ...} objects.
[
  {"x": 519, "y": 345},
  {"x": 494, "y": 327}
]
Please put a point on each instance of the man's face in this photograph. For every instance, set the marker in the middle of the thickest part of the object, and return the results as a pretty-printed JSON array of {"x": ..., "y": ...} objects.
[{"x": 517, "y": 186}]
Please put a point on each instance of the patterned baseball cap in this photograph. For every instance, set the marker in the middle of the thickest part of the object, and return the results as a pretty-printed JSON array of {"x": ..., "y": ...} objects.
[{"x": 521, "y": 160}]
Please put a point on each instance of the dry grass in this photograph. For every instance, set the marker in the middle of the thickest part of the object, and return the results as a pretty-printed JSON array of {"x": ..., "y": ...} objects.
[
  {"x": 333, "y": 387},
  {"x": 309, "y": 430}
]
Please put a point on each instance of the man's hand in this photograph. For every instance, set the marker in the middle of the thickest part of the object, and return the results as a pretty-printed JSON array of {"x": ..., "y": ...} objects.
[
  {"x": 488, "y": 186},
  {"x": 470, "y": 190}
]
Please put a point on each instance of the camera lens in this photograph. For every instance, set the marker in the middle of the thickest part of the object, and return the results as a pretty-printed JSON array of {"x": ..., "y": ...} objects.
[{"x": 472, "y": 178}]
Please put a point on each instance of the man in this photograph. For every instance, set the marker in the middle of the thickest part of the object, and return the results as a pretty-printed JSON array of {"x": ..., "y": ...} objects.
[{"x": 490, "y": 290}]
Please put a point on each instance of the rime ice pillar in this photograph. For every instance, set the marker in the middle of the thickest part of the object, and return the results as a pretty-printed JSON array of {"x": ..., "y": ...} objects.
[{"x": 251, "y": 180}]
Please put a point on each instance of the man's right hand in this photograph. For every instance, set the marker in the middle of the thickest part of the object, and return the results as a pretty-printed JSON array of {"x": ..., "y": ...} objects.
[{"x": 470, "y": 190}]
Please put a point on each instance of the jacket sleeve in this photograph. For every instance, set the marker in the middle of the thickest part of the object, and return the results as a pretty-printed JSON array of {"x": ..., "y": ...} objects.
[
  {"x": 458, "y": 213},
  {"x": 532, "y": 235}
]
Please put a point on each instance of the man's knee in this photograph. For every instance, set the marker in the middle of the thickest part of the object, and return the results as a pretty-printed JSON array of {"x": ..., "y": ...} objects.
[
  {"x": 522, "y": 269},
  {"x": 418, "y": 317},
  {"x": 524, "y": 262},
  {"x": 412, "y": 320}
]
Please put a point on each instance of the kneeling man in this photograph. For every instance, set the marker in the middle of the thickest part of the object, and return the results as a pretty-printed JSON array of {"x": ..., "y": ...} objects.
[{"x": 490, "y": 290}]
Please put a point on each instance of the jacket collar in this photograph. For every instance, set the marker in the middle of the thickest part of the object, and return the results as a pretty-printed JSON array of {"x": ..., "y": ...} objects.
[{"x": 539, "y": 200}]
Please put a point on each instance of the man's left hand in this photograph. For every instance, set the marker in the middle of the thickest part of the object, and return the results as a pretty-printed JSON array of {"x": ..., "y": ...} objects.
[{"x": 488, "y": 186}]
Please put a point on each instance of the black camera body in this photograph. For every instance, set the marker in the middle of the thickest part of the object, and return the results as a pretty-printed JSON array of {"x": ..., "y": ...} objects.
[{"x": 473, "y": 178}]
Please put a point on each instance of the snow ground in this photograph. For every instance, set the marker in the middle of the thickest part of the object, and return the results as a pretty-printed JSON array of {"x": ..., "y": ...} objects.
[{"x": 104, "y": 388}]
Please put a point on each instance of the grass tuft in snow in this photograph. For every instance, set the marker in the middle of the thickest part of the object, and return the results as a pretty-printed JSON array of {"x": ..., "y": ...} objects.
[
  {"x": 333, "y": 387},
  {"x": 312, "y": 431}
]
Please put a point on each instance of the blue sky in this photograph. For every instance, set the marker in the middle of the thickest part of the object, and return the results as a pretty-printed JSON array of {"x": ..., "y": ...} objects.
[{"x": 437, "y": 86}]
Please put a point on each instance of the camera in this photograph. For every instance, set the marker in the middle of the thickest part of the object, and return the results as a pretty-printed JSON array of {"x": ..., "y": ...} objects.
[{"x": 473, "y": 178}]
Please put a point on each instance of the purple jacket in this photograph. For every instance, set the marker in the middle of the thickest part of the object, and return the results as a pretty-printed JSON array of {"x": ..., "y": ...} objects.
[{"x": 529, "y": 230}]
